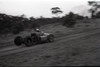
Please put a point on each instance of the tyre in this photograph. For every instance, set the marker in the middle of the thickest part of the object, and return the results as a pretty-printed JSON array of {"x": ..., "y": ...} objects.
[
  {"x": 28, "y": 42},
  {"x": 18, "y": 40},
  {"x": 50, "y": 38},
  {"x": 35, "y": 38}
]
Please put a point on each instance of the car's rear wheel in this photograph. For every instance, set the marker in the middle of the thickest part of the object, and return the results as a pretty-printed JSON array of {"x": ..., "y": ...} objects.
[
  {"x": 50, "y": 38},
  {"x": 18, "y": 40}
]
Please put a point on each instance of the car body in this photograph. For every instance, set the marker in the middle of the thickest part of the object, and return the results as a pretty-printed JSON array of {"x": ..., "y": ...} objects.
[{"x": 34, "y": 39}]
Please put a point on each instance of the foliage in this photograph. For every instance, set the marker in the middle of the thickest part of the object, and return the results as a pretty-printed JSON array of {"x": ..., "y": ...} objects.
[
  {"x": 56, "y": 11},
  {"x": 17, "y": 28},
  {"x": 97, "y": 15},
  {"x": 16, "y": 24},
  {"x": 95, "y": 7},
  {"x": 70, "y": 20}
]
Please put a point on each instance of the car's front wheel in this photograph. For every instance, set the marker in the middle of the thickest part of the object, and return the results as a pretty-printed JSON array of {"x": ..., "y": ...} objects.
[{"x": 50, "y": 38}]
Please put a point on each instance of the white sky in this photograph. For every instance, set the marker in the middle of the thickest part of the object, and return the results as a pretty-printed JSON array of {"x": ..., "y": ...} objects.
[{"x": 37, "y": 8}]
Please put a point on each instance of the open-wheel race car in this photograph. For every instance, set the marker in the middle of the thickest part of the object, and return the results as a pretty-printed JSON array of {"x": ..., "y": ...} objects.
[{"x": 34, "y": 39}]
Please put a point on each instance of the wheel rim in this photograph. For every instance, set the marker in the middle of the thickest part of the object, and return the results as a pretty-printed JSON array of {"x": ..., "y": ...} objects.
[
  {"x": 51, "y": 38},
  {"x": 17, "y": 41},
  {"x": 29, "y": 42}
]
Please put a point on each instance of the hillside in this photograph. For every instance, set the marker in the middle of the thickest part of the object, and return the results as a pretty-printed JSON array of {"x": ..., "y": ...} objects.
[
  {"x": 56, "y": 28},
  {"x": 81, "y": 49}
]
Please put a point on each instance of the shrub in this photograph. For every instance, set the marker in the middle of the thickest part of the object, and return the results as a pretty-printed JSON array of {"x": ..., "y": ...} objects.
[
  {"x": 16, "y": 29},
  {"x": 69, "y": 22}
]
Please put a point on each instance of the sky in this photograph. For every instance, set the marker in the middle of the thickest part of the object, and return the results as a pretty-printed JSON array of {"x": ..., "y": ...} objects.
[{"x": 37, "y": 8}]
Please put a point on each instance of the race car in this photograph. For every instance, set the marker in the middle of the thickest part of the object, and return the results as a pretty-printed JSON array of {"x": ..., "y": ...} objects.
[{"x": 34, "y": 39}]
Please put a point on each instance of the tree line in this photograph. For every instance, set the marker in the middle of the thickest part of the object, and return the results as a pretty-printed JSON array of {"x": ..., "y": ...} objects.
[{"x": 16, "y": 24}]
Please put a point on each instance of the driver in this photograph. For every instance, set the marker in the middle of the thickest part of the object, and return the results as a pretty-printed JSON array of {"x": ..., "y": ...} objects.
[{"x": 38, "y": 32}]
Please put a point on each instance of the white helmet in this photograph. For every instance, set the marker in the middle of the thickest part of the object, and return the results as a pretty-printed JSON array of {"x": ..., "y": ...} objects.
[{"x": 37, "y": 30}]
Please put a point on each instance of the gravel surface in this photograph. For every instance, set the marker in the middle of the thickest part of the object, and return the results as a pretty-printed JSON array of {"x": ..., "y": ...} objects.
[{"x": 82, "y": 51}]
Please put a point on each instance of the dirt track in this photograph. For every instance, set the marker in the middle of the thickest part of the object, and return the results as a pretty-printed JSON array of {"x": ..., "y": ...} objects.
[{"x": 77, "y": 49}]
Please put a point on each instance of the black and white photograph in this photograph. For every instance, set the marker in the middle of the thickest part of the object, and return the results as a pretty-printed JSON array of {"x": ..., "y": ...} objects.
[{"x": 49, "y": 33}]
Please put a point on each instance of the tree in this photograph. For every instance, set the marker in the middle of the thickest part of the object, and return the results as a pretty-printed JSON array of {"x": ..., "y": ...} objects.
[
  {"x": 31, "y": 18},
  {"x": 95, "y": 7},
  {"x": 23, "y": 16},
  {"x": 69, "y": 20},
  {"x": 56, "y": 11},
  {"x": 97, "y": 15}
]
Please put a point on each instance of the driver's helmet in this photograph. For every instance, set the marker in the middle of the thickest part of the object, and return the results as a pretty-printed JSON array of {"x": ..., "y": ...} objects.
[{"x": 37, "y": 30}]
